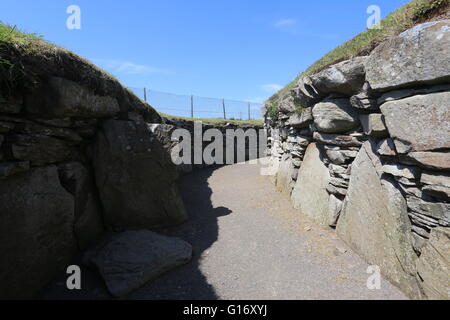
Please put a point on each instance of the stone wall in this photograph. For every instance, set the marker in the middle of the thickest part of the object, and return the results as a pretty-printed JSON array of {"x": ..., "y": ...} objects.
[
  {"x": 364, "y": 147},
  {"x": 77, "y": 159},
  {"x": 80, "y": 157},
  {"x": 253, "y": 145}
]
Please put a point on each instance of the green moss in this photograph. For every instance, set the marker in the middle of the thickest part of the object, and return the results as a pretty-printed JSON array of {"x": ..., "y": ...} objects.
[{"x": 273, "y": 110}]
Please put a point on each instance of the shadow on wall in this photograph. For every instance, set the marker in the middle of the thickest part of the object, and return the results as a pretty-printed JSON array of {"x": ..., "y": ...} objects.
[{"x": 184, "y": 283}]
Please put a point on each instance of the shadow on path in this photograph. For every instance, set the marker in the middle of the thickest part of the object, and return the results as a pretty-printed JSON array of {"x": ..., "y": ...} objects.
[{"x": 201, "y": 231}]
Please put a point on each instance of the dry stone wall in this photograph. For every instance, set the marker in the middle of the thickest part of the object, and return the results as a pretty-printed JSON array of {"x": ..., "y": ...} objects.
[
  {"x": 363, "y": 147},
  {"x": 77, "y": 159},
  {"x": 81, "y": 157}
]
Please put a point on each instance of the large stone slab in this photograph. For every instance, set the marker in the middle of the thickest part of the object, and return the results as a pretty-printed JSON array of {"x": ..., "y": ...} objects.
[
  {"x": 374, "y": 222},
  {"x": 63, "y": 98},
  {"x": 335, "y": 116},
  {"x": 417, "y": 56},
  {"x": 36, "y": 231},
  {"x": 284, "y": 178},
  {"x": 433, "y": 265},
  {"x": 78, "y": 181},
  {"x": 346, "y": 77},
  {"x": 310, "y": 192},
  {"x": 419, "y": 123},
  {"x": 135, "y": 177},
  {"x": 130, "y": 259}
]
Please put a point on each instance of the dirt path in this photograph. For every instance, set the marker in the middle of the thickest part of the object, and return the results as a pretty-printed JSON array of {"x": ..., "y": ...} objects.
[{"x": 249, "y": 243}]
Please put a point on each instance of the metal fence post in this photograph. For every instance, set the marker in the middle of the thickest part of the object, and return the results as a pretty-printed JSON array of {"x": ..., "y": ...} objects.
[
  {"x": 192, "y": 106},
  {"x": 224, "y": 113},
  {"x": 145, "y": 94},
  {"x": 249, "y": 116}
]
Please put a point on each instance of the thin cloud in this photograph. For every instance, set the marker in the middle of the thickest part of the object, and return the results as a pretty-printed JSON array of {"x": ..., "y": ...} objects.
[
  {"x": 271, "y": 87},
  {"x": 127, "y": 67},
  {"x": 284, "y": 22}
]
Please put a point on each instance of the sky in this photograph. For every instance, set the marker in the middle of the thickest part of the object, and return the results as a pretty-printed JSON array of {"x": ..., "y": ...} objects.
[{"x": 234, "y": 49}]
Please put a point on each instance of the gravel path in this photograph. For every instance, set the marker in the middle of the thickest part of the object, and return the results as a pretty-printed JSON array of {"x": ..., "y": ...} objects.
[{"x": 249, "y": 243}]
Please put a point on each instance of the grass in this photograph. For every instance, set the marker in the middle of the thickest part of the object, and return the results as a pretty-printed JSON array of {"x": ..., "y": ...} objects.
[
  {"x": 414, "y": 12},
  {"x": 216, "y": 121}
]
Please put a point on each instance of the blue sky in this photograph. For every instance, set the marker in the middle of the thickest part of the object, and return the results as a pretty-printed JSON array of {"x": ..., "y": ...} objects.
[{"x": 235, "y": 49}]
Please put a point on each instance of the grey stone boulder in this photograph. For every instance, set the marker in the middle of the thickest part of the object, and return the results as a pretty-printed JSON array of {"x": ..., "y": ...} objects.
[
  {"x": 437, "y": 185},
  {"x": 78, "y": 181},
  {"x": 63, "y": 98},
  {"x": 305, "y": 94},
  {"x": 339, "y": 157},
  {"x": 373, "y": 125},
  {"x": 310, "y": 195},
  {"x": 36, "y": 231},
  {"x": 130, "y": 259},
  {"x": 135, "y": 177},
  {"x": 300, "y": 119},
  {"x": 335, "y": 207},
  {"x": 337, "y": 139},
  {"x": 417, "y": 56},
  {"x": 335, "y": 116},
  {"x": 287, "y": 105},
  {"x": 346, "y": 77},
  {"x": 405, "y": 93},
  {"x": 439, "y": 211},
  {"x": 386, "y": 148},
  {"x": 398, "y": 170},
  {"x": 284, "y": 175},
  {"x": 419, "y": 123},
  {"x": 365, "y": 100},
  {"x": 375, "y": 224},
  {"x": 41, "y": 149},
  {"x": 433, "y": 266},
  {"x": 432, "y": 160}
]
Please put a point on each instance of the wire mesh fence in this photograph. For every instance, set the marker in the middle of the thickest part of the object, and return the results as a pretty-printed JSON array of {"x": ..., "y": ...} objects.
[{"x": 199, "y": 107}]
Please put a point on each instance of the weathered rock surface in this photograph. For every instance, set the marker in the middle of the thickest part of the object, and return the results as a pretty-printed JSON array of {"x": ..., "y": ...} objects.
[
  {"x": 335, "y": 116},
  {"x": 36, "y": 231},
  {"x": 375, "y": 223},
  {"x": 300, "y": 119},
  {"x": 431, "y": 160},
  {"x": 305, "y": 94},
  {"x": 386, "y": 148},
  {"x": 337, "y": 140},
  {"x": 428, "y": 125},
  {"x": 335, "y": 207},
  {"x": 132, "y": 258},
  {"x": 130, "y": 163},
  {"x": 417, "y": 56},
  {"x": 433, "y": 265},
  {"x": 373, "y": 125},
  {"x": 437, "y": 185},
  {"x": 309, "y": 194},
  {"x": 365, "y": 100},
  {"x": 64, "y": 98},
  {"x": 346, "y": 77},
  {"x": 284, "y": 179},
  {"x": 78, "y": 181},
  {"x": 42, "y": 149}
]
